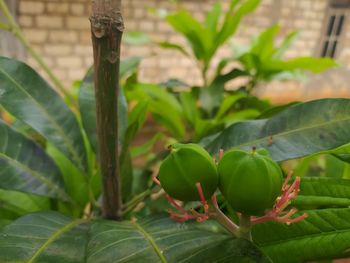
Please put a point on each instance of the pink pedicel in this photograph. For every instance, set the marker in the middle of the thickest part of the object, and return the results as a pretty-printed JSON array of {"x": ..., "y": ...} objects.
[{"x": 279, "y": 213}]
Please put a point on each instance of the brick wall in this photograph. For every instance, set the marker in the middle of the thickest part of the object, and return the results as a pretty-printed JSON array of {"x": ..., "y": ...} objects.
[{"x": 60, "y": 31}]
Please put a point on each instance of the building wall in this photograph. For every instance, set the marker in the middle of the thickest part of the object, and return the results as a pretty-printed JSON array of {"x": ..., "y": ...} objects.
[{"x": 60, "y": 31}]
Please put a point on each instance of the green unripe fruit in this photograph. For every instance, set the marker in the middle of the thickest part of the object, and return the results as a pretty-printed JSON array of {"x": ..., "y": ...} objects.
[
  {"x": 186, "y": 165},
  {"x": 250, "y": 182}
]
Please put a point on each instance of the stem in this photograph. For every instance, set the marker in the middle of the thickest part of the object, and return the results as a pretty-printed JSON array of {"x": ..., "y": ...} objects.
[
  {"x": 138, "y": 198},
  {"x": 14, "y": 28},
  {"x": 106, "y": 30},
  {"x": 4, "y": 26},
  {"x": 245, "y": 227},
  {"x": 222, "y": 219}
]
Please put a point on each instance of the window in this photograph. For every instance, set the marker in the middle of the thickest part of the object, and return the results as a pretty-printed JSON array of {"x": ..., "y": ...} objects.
[{"x": 334, "y": 28}]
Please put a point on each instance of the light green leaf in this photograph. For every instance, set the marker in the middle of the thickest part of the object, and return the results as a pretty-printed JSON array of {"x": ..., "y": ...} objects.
[
  {"x": 233, "y": 18},
  {"x": 169, "y": 45},
  {"x": 212, "y": 19},
  {"x": 263, "y": 46},
  {"x": 29, "y": 98},
  {"x": 193, "y": 31},
  {"x": 315, "y": 65},
  {"x": 22, "y": 203}
]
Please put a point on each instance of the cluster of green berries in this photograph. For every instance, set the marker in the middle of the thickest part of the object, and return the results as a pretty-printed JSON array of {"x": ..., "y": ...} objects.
[{"x": 249, "y": 181}]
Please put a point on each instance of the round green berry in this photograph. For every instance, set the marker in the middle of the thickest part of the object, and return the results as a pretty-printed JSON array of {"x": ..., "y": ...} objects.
[
  {"x": 250, "y": 182},
  {"x": 186, "y": 165}
]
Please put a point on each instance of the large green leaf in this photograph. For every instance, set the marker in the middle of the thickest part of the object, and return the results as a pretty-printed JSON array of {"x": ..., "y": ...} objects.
[
  {"x": 300, "y": 130},
  {"x": 29, "y": 98},
  {"x": 51, "y": 237},
  {"x": 25, "y": 167},
  {"x": 325, "y": 234},
  {"x": 321, "y": 192}
]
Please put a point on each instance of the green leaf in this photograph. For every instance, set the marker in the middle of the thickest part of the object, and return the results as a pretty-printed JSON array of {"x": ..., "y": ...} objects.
[
  {"x": 128, "y": 65},
  {"x": 87, "y": 105},
  {"x": 189, "y": 106},
  {"x": 136, "y": 38},
  {"x": 323, "y": 192},
  {"x": 325, "y": 234},
  {"x": 51, "y": 237},
  {"x": 136, "y": 120},
  {"x": 264, "y": 44},
  {"x": 22, "y": 203},
  {"x": 275, "y": 110},
  {"x": 343, "y": 153},
  {"x": 233, "y": 18},
  {"x": 147, "y": 146},
  {"x": 74, "y": 180},
  {"x": 159, "y": 99},
  {"x": 300, "y": 130},
  {"x": 287, "y": 42},
  {"x": 25, "y": 167},
  {"x": 315, "y": 65},
  {"x": 211, "y": 97},
  {"x": 169, "y": 45},
  {"x": 227, "y": 103},
  {"x": 193, "y": 31},
  {"x": 212, "y": 18},
  {"x": 29, "y": 98}
]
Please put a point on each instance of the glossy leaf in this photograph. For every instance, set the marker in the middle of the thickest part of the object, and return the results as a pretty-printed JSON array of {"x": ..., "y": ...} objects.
[
  {"x": 51, "y": 237},
  {"x": 325, "y": 234},
  {"x": 29, "y": 98},
  {"x": 300, "y": 130},
  {"x": 25, "y": 167},
  {"x": 323, "y": 192}
]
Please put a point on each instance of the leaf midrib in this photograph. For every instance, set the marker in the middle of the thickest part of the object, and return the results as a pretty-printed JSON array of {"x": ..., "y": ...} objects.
[
  {"x": 55, "y": 235},
  {"x": 151, "y": 242},
  {"x": 37, "y": 175},
  {"x": 53, "y": 121},
  {"x": 266, "y": 138}
]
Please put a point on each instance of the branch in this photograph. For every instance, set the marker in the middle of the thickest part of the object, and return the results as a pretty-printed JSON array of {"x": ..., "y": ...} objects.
[{"x": 106, "y": 31}]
